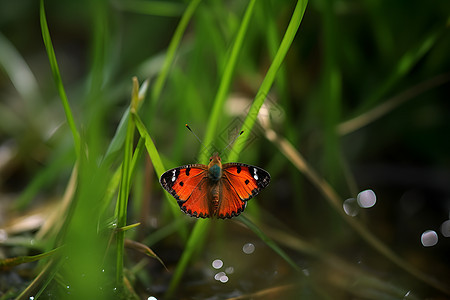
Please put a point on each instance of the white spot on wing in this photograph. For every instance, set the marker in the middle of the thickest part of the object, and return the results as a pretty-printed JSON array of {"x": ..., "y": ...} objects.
[
  {"x": 255, "y": 175},
  {"x": 173, "y": 176}
]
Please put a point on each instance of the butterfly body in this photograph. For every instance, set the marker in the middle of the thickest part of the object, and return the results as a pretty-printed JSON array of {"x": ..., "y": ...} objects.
[{"x": 215, "y": 190}]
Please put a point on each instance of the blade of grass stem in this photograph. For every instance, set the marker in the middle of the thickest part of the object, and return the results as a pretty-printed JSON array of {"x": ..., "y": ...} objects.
[
  {"x": 122, "y": 202},
  {"x": 225, "y": 82},
  {"x": 154, "y": 155},
  {"x": 41, "y": 281},
  {"x": 14, "y": 261},
  {"x": 404, "y": 65},
  {"x": 119, "y": 136},
  {"x": 170, "y": 56},
  {"x": 57, "y": 77},
  {"x": 263, "y": 91}
]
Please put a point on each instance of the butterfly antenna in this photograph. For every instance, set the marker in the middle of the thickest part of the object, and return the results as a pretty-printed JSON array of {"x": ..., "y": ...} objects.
[
  {"x": 240, "y": 133},
  {"x": 198, "y": 139}
]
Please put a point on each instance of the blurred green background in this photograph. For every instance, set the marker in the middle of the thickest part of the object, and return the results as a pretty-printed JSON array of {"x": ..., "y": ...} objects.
[{"x": 363, "y": 95}]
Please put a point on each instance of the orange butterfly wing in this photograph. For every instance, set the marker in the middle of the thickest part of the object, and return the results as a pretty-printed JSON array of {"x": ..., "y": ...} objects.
[
  {"x": 188, "y": 185},
  {"x": 240, "y": 182},
  {"x": 197, "y": 203},
  {"x": 185, "y": 183}
]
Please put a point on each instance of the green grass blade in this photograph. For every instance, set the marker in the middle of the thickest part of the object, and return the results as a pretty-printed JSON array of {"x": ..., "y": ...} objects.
[
  {"x": 154, "y": 156},
  {"x": 125, "y": 182},
  {"x": 14, "y": 261},
  {"x": 173, "y": 46},
  {"x": 405, "y": 64},
  {"x": 225, "y": 82},
  {"x": 289, "y": 35},
  {"x": 119, "y": 137},
  {"x": 151, "y": 148},
  {"x": 57, "y": 77}
]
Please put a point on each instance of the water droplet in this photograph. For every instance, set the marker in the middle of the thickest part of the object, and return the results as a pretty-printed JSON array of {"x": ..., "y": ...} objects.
[
  {"x": 366, "y": 199},
  {"x": 219, "y": 275},
  {"x": 248, "y": 248},
  {"x": 229, "y": 270},
  {"x": 31, "y": 298},
  {"x": 351, "y": 207},
  {"x": 445, "y": 228},
  {"x": 224, "y": 279},
  {"x": 151, "y": 298},
  {"x": 429, "y": 238},
  {"x": 217, "y": 264}
]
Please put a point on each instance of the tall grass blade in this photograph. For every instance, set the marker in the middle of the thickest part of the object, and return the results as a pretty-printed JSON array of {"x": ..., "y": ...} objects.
[
  {"x": 154, "y": 156},
  {"x": 404, "y": 65},
  {"x": 263, "y": 91},
  {"x": 124, "y": 189},
  {"x": 173, "y": 46},
  {"x": 57, "y": 77},
  {"x": 225, "y": 82}
]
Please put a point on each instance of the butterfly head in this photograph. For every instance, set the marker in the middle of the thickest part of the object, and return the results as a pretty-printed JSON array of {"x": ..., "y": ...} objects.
[{"x": 215, "y": 167}]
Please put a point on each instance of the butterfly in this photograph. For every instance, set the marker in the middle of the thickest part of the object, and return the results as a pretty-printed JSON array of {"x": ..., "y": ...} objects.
[{"x": 215, "y": 190}]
